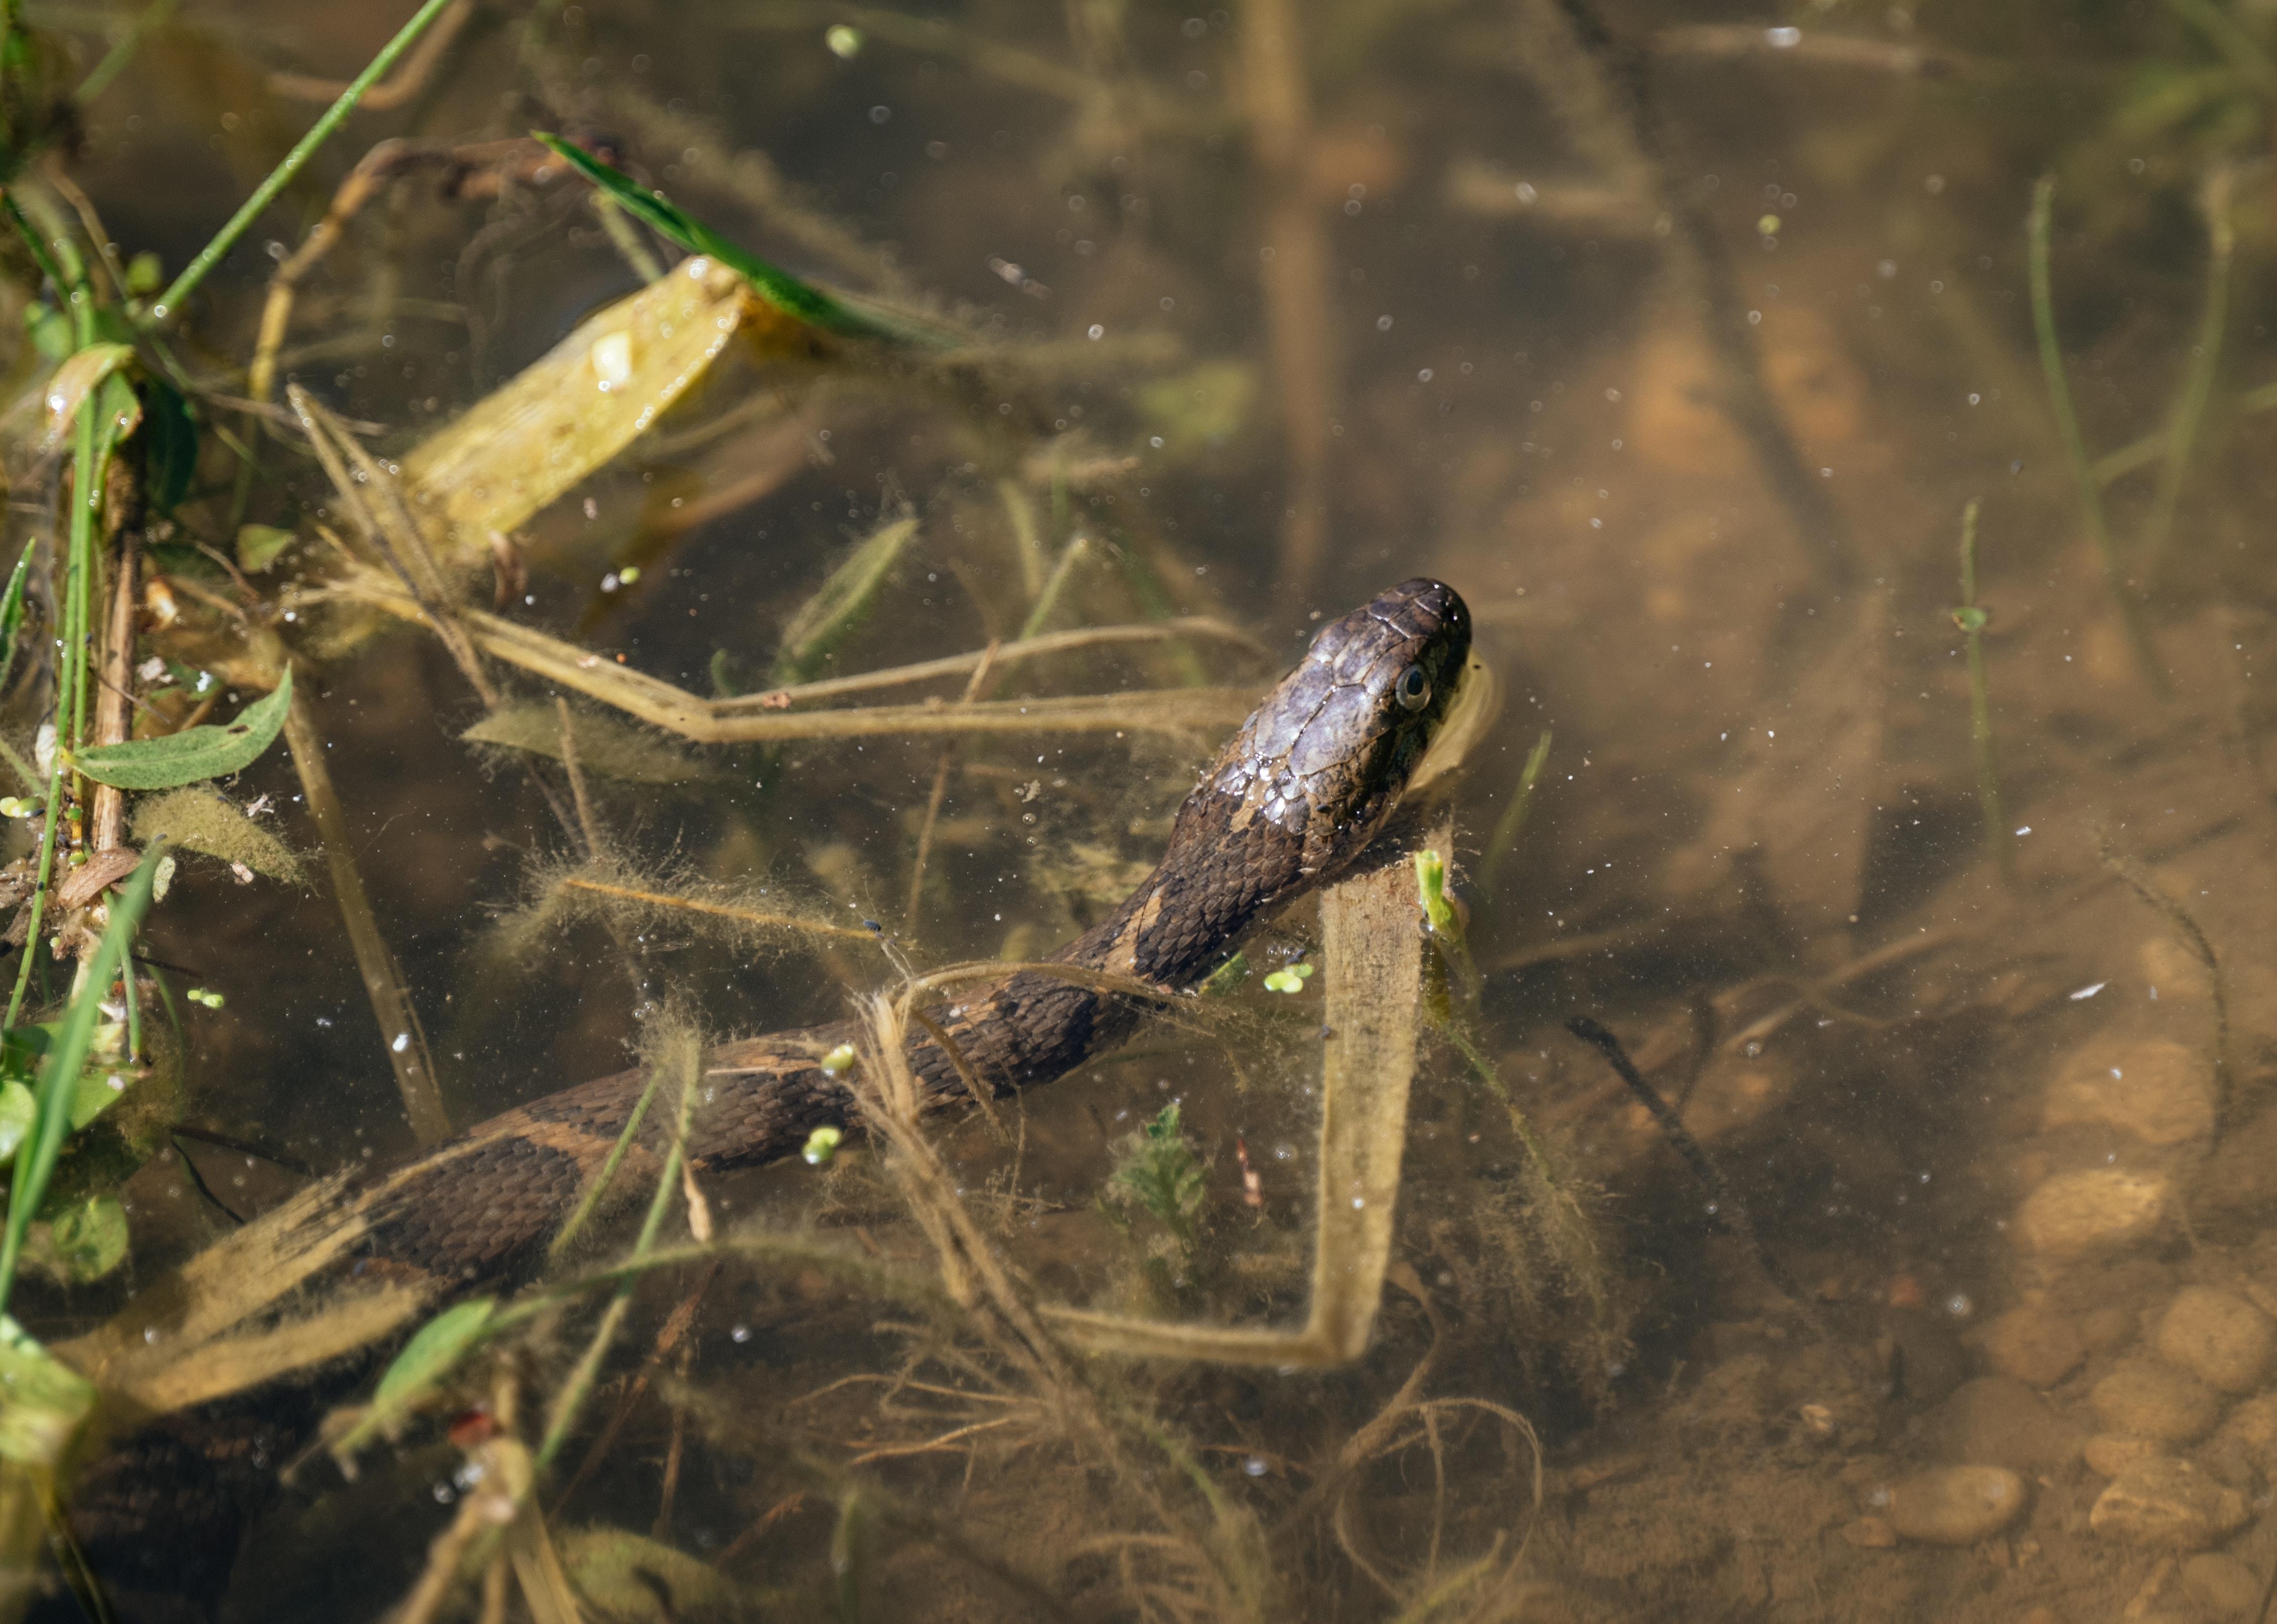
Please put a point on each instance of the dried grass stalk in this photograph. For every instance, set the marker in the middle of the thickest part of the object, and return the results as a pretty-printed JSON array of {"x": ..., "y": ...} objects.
[{"x": 1373, "y": 946}]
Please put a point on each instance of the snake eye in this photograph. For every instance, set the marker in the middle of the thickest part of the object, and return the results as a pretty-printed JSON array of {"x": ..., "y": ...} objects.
[{"x": 1412, "y": 689}]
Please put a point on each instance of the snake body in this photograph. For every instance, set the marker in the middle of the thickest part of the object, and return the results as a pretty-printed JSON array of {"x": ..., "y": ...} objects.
[
  {"x": 1309, "y": 781},
  {"x": 1294, "y": 796}
]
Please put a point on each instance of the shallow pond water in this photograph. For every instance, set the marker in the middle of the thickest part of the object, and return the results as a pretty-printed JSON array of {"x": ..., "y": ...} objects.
[{"x": 1680, "y": 346}]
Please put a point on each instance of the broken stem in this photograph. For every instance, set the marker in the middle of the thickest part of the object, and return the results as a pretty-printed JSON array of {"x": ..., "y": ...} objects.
[
  {"x": 383, "y": 978},
  {"x": 1971, "y": 619}
]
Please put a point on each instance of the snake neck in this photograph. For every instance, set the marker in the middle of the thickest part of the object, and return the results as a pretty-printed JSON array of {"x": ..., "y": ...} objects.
[{"x": 1228, "y": 871}]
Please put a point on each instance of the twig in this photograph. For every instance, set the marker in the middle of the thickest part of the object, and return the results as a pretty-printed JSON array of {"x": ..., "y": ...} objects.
[
  {"x": 619, "y": 228},
  {"x": 1971, "y": 619},
  {"x": 940, "y": 789},
  {"x": 107, "y": 828},
  {"x": 1805, "y": 47},
  {"x": 2140, "y": 880},
  {"x": 669, "y": 1491},
  {"x": 586, "y": 826},
  {"x": 673, "y": 1332},
  {"x": 690, "y": 904},
  {"x": 389, "y": 527},
  {"x": 417, "y": 68},
  {"x": 169, "y": 303},
  {"x": 405, "y": 1039},
  {"x": 1724, "y": 1201},
  {"x": 684, "y": 1055},
  {"x": 2090, "y": 494},
  {"x": 388, "y": 161}
]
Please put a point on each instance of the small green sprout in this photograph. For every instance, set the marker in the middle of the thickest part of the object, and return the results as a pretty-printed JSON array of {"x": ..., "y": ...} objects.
[
  {"x": 844, "y": 39},
  {"x": 16, "y": 806},
  {"x": 1226, "y": 976},
  {"x": 205, "y": 996},
  {"x": 1431, "y": 887},
  {"x": 145, "y": 274},
  {"x": 630, "y": 574},
  {"x": 1289, "y": 978},
  {"x": 1162, "y": 1174},
  {"x": 839, "y": 1059},
  {"x": 822, "y": 1145}
]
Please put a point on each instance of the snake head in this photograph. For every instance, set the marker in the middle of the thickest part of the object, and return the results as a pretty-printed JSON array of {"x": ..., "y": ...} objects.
[{"x": 1328, "y": 754}]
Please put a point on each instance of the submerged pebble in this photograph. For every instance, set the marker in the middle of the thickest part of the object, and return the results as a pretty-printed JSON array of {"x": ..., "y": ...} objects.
[
  {"x": 2156, "y": 1090},
  {"x": 2224, "y": 1341},
  {"x": 2222, "y": 1585},
  {"x": 2109, "y": 1453},
  {"x": 1955, "y": 1504},
  {"x": 2034, "y": 1344},
  {"x": 2164, "y": 1502},
  {"x": 2149, "y": 1399},
  {"x": 1870, "y": 1533},
  {"x": 1999, "y": 1420},
  {"x": 2251, "y": 1430},
  {"x": 2099, "y": 1210}
]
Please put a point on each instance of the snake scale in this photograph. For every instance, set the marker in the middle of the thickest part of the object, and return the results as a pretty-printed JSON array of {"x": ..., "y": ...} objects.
[{"x": 1305, "y": 784}]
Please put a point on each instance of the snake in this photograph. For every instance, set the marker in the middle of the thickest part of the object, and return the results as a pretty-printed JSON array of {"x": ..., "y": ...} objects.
[{"x": 1382, "y": 698}]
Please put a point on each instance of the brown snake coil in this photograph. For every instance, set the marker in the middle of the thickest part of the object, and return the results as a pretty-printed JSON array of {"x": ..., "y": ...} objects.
[{"x": 1306, "y": 784}]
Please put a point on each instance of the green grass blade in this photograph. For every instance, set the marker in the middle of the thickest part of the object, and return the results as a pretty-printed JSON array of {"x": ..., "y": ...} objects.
[
  {"x": 155, "y": 15},
  {"x": 2038, "y": 231},
  {"x": 59, "y": 1078},
  {"x": 785, "y": 292},
  {"x": 11, "y": 613},
  {"x": 1512, "y": 822},
  {"x": 171, "y": 302},
  {"x": 842, "y": 602}
]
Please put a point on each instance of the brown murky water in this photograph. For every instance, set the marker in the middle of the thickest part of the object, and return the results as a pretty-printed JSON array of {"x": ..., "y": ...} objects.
[{"x": 1687, "y": 397}]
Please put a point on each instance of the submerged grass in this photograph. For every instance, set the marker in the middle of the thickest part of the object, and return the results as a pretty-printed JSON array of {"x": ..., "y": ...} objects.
[
  {"x": 743, "y": 918},
  {"x": 2039, "y": 231},
  {"x": 1971, "y": 618}
]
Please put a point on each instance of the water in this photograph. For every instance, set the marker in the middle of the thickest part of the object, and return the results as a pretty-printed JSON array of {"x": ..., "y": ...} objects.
[{"x": 1688, "y": 405}]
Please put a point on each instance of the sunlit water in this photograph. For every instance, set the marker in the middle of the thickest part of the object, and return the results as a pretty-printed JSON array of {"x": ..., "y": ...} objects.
[{"x": 1986, "y": 1108}]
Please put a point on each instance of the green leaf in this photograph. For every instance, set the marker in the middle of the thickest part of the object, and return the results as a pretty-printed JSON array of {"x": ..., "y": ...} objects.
[
  {"x": 11, "y": 612},
  {"x": 15, "y": 1117},
  {"x": 50, "y": 331},
  {"x": 194, "y": 753},
  {"x": 426, "y": 1360},
  {"x": 777, "y": 286},
  {"x": 23, "y": 1049},
  {"x": 434, "y": 1352},
  {"x": 83, "y": 1243},
  {"x": 46, "y": 1400},
  {"x": 81, "y": 373},
  {"x": 258, "y": 546},
  {"x": 35, "y": 1163}
]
